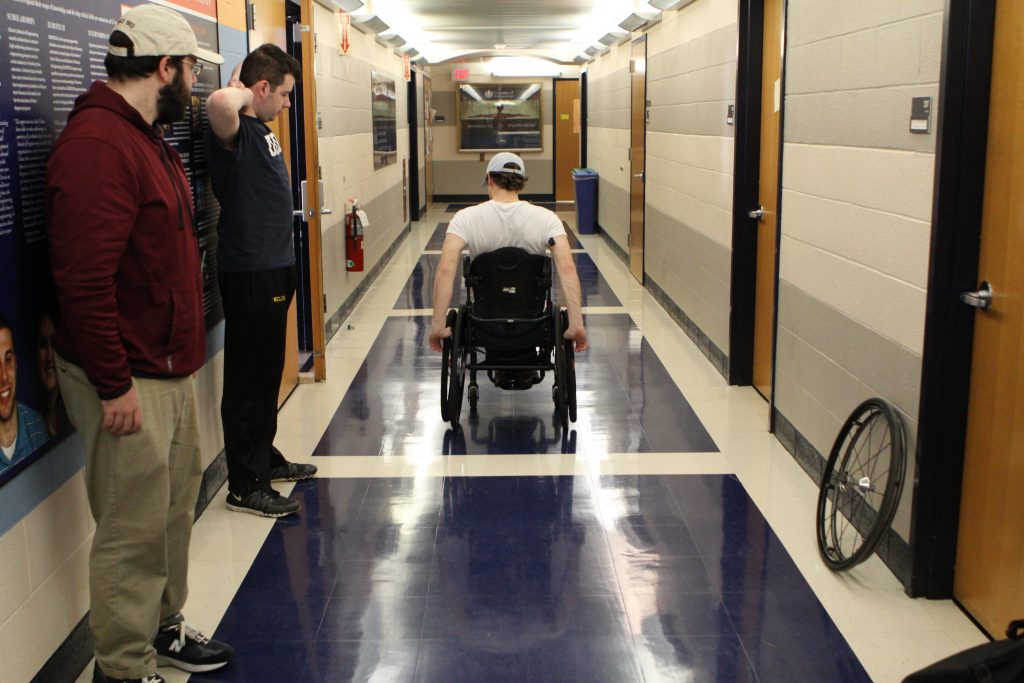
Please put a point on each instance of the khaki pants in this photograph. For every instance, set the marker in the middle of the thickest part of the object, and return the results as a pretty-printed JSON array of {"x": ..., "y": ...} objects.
[{"x": 142, "y": 490}]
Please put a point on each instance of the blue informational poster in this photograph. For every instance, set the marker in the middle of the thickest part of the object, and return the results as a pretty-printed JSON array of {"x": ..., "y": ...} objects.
[{"x": 50, "y": 52}]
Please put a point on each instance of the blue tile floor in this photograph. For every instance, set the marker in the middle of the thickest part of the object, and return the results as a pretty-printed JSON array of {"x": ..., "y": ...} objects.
[
  {"x": 666, "y": 537},
  {"x": 564, "y": 578},
  {"x": 627, "y": 402}
]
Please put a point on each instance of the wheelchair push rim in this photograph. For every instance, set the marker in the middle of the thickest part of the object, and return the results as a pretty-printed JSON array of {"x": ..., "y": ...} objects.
[{"x": 861, "y": 485}]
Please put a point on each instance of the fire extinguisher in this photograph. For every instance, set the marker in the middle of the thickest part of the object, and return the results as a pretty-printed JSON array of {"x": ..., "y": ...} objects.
[{"x": 355, "y": 222}]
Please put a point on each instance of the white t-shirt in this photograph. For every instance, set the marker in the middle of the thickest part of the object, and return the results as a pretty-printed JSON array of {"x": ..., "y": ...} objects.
[{"x": 493, "y": 225}]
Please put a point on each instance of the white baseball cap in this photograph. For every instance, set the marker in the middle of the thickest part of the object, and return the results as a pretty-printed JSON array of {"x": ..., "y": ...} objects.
[
  {"x": 156, "y": 31},
  {"x": 506, "y": 162}
]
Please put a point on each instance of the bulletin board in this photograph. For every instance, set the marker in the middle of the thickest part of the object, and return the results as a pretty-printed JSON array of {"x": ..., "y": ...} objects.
[{"x": 495, "y": 117}]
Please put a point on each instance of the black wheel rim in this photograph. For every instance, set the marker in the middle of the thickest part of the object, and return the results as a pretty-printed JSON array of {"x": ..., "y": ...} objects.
[{"x": 861, "y": 485}]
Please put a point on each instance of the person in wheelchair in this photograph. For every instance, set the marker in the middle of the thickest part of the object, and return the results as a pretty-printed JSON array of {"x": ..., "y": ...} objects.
[{"x": 507, "y": 221}]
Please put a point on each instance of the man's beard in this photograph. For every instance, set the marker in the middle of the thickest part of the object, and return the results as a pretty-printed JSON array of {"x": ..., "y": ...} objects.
[{"x": 173, "y": 99}]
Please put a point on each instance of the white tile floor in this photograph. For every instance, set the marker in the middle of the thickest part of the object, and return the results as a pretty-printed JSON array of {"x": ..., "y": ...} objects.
[{"x": 890, "y": 633}]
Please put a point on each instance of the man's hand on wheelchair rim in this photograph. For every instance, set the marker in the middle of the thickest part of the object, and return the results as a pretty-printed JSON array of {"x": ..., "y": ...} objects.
[
  {"x": 579, "y": 336},
  {"x": 437, "y": 335}
]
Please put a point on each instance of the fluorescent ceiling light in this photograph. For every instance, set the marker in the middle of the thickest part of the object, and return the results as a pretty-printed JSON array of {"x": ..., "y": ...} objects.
[
  {"x": 523, "y": 66},
  {"x": 637, "y": 20},
  {"x": 369, "y": 23},
  {"x": 669, "y": 5},
  {"x": 393, "y": 39},
  {"x": 471, "y": 91},
  {"x": 595, "y": 50},
  {"x": 582, "y": 59},
  {"x": 613, "y": 38},
  {"x": 348, "y": 5}
]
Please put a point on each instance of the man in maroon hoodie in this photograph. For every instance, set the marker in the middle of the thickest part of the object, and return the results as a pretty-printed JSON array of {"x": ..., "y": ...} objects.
[{"x": 131, "y": 336}]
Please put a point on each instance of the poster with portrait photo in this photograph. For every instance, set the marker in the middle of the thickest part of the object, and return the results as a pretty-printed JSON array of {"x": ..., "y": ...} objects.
[{"x": 50, "y": 53}]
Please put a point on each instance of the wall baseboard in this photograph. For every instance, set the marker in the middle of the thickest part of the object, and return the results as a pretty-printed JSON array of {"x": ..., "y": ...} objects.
[
  {"x": 892, "y": 550},
  {"x": 615, "y": 246},
  {"x": 692, "y": 330},
  {"x": 70, "y": 659},
  {"x": 333, "y": 324}
]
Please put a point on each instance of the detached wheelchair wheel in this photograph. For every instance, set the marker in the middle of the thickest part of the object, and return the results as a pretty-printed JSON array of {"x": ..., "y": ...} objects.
[
  {"x": 457, "y": 368},
  {"x": 446, "y": 359},
  {"x": 861, "y": 485},
  {"x": 560, "y": 390}
]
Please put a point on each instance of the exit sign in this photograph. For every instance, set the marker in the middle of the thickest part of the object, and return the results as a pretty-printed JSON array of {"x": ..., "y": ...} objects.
[{"x": 460, "y": 73}]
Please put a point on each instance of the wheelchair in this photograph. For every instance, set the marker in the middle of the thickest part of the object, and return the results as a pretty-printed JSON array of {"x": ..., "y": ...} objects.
[{"x": 508, "y": 329}]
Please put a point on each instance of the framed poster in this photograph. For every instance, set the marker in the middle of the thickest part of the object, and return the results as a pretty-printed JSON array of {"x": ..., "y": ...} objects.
[
  {"x": 495, "y": 117},
  {"x": 50, "y": 52},
  {"x": 384, "y": 111}
]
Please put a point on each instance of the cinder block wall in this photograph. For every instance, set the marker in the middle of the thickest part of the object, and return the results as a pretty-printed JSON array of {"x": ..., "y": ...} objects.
[{"x": 856, "y": 213}]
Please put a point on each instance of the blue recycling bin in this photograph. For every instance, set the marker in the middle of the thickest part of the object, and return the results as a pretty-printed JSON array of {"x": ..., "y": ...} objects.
[{"x": 585, "y": 182}]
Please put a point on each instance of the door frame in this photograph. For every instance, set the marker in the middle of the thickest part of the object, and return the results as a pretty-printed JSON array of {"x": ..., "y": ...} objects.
[
  {"x": 554, "y": 132},
  {"x": 746, "y": 185},
  {"x": 312, "y": 157},
  {"x": 583, "y": 120},
  {"x": 412, "y": 114},
  {"x": 642, "y": 40},
  {"x": 962, "y": 136}
]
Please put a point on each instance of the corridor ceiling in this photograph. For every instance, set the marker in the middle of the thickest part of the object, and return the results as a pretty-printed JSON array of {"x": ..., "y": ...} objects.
[{"x": 556, "y": 30}]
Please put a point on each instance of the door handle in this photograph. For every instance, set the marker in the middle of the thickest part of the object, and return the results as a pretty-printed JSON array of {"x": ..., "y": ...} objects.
[
  {"x": 639, "y": 175},
  {"x": 981, "y": 298},
  {"x": 326, "y": 212},
  {"x": 757, "y": 213},
  {"x": 298, "y": 214}
]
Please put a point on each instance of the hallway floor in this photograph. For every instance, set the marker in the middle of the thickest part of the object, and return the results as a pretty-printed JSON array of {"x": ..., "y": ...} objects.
[{"x": 666, "y": 537}]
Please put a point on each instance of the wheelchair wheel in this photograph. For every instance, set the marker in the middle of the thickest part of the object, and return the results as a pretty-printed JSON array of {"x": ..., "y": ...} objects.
[
  {"x": 861, "y": 485},
  {"x": 560, "y": 390},
  {"x": 457, "y": 378},
  {"x": 446, "y": 359},
  {"x": 570, "y": 369}
]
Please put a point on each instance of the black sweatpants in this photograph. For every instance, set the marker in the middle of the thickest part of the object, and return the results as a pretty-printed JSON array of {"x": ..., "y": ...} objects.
[{"x": 255, "y": 330}]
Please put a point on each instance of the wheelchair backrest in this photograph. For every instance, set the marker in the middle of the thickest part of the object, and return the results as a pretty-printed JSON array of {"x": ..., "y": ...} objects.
[{"x": 508, "y": 283}]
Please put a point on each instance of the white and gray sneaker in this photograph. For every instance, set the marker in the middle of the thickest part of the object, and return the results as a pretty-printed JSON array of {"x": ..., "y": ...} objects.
[{"x": 189, "y": 650}]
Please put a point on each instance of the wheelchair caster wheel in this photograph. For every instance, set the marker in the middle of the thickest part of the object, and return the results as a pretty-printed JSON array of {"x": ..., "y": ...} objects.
[{"x": 474, "y": 394}]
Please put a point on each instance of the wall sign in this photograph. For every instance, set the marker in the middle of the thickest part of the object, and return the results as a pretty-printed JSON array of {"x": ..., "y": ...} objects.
[{"x": 499, "y": 116}]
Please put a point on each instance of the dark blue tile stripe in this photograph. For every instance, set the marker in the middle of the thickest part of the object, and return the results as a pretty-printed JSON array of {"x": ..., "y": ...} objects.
[
  {"x": 626, "y": 578},
  {"x": 626, "y": 399}
]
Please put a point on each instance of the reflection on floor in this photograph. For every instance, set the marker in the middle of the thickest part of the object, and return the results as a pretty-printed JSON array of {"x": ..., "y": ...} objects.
[
  {"x": 567, "y": 578},
  {"x": 627, "y": 402},
  {"x": 672, "y": 540}
]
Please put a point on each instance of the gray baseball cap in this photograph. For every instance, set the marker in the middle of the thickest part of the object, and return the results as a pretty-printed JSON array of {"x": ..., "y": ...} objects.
[{"x": 156, "y": 31}]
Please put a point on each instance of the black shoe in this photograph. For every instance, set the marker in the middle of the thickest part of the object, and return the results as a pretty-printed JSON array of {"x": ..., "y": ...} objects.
[
  {"x": 98, "y": 677},
  {"x": 292, "y": 471},
  {"x": 263, "y": 502},
  {"x": 189, "y": 650}
]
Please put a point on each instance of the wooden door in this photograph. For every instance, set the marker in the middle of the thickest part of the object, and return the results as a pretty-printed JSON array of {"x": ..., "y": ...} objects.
[
  {"x": 268, "y": 26},
  {"x": 989, "y": 579},
  {"x": 567, "y": 137},
  {"x": 311, "y": 154},
  {"x": 637, "y": 155},
  {"x": 768, "y": 184},
  {"x": 428, "y": 141}
]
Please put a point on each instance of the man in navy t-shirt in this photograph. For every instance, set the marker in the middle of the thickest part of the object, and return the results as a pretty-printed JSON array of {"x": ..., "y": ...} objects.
[{"x": 256, "y": 264}]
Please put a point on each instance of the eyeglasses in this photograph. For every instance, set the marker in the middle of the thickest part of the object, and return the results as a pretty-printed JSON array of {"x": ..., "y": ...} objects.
[{"x": 196, "y": 67}]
